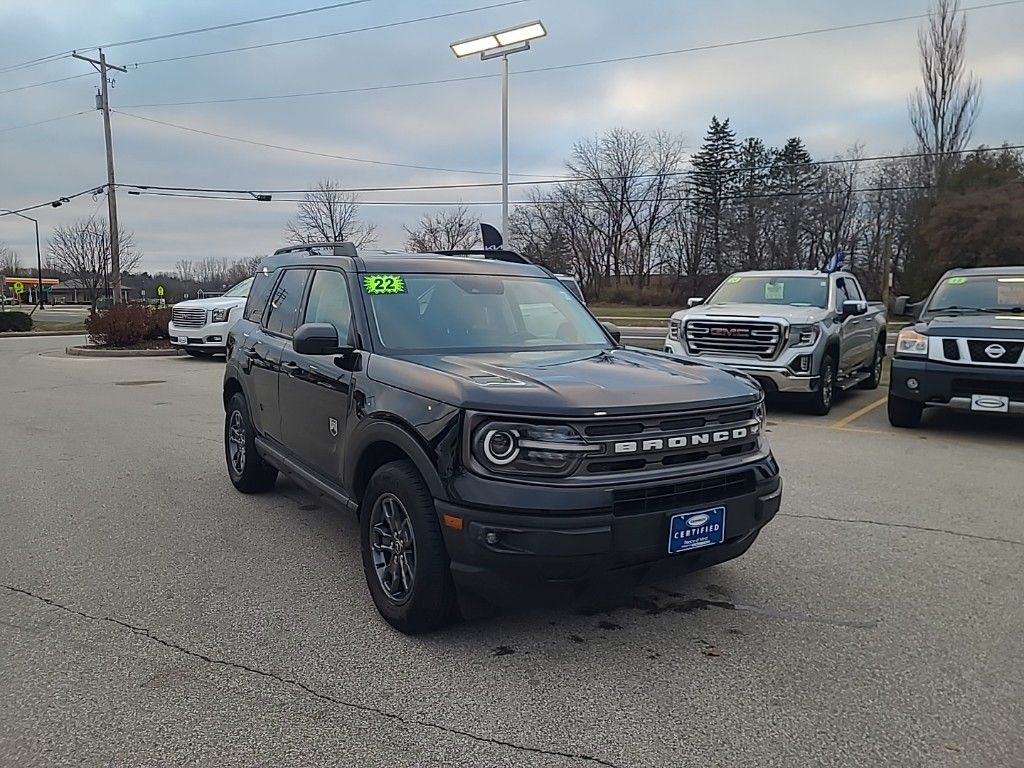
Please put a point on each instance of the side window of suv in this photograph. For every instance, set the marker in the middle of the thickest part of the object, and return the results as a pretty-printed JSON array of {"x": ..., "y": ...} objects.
[
  {"x": 285, "y": 302},
  {"x": 262, "y": 282},
  {"x": 329, "y": 302}
]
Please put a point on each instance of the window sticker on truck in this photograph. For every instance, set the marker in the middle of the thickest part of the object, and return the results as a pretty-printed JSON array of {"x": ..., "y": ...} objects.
[
  {"x": 774, "y": 291},
  {"x": 382, "y": 285},
  {"x": 957, "y": 280},
  {"x": 734, "y": 279}
]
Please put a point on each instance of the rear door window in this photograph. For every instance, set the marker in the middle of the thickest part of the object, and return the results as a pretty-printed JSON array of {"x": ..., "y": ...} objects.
[
  {"x": 263, "y": 281},
  {"x": 285, "y": 301}
]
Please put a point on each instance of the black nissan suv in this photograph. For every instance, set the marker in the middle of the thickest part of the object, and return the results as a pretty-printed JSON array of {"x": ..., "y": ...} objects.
[{"x": 496, "y": 441}]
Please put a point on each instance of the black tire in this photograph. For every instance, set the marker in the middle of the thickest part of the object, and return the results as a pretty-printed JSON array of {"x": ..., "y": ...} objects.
[
  {"x": 429, "y": 602},
  {"x": 820, "y": 401},
  {"x": 198, "y": 352},
  {"x": 250, "y": 474},
  {"x": 904, "y": 413},
  {"x": 875, "y": 378}
]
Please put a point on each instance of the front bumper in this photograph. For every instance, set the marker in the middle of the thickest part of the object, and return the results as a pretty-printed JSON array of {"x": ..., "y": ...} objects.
[
  {"x": 525, "y": 558},
  {"x": 951, "y": 386},
  {"x": 786, "y": 374},
  {"x": 212, "y": 336}
]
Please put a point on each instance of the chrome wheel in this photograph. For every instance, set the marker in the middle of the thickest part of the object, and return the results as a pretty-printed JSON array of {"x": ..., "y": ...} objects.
[
  {"x": 827, "y": 385},
  {"x": 878, "y": 364},
  {"x": 236, "y": 442},
  {"x": 393, "y": 547}
]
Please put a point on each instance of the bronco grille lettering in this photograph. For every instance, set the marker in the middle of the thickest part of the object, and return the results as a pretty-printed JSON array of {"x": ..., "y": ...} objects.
[{"x": 684, "y": 441}]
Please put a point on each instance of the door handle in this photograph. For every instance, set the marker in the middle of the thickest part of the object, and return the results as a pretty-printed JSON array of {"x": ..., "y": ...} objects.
[
  {"x": 252, "y": 354},
  {"x": 290, "y": 367}
]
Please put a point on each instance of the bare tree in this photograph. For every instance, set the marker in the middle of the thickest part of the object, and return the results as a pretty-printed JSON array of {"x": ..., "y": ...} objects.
[
  {"x": 445, "y": 231},
  {"x": 943, "y": 111},
  {"x": 242, "y": 268},
  {"x": 185, "y": 270},
  {"x": 10, "y": 262},
  {"x": 330, "y": 214},
  {"x": 82, "y": 249}
]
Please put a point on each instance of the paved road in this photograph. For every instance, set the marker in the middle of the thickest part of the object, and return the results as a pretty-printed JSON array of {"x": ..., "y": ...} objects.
[{"x": 151, "y": 616}]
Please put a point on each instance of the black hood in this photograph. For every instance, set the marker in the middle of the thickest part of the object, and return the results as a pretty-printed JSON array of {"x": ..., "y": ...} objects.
[
  {"x": 976, "y": 325},
  {"x": 567, "y": 383}
]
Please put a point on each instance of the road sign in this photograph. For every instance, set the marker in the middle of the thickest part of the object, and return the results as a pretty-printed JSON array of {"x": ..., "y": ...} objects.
[
  {"x": 160, "y": 291},
  {"x": 47, "y": 288},
  {"x": 143, "y": 293},
  {"x": 19, "y": 287}
]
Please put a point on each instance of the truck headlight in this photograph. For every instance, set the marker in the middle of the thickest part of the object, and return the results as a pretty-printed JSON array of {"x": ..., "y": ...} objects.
[
  {"x": 529, "y": 449},
  {"x": 803, "y": 335},
  {"x": 221, "y": 315},
  {"x": 910, "y": 342},
  {"x": 675, "y": 329}
]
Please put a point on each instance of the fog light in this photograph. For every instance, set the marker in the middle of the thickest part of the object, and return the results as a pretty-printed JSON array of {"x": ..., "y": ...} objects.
[
  {"x": 492, "y": 538},
  {"x": 803, "y": 363},
  {"x": 912, "y": 383}
]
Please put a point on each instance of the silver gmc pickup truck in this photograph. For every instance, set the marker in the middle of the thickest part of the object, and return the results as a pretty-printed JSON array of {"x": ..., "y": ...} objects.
[{"x": 795, "y": 331}]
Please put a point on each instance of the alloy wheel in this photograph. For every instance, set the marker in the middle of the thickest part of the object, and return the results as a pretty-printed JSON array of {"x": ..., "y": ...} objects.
[
  {"x": 393, "y": 547},
  {"x": 236, "y": 442}
]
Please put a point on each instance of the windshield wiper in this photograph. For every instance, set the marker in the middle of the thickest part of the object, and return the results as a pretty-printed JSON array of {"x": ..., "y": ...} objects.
[{"x": 964, "y": 309}]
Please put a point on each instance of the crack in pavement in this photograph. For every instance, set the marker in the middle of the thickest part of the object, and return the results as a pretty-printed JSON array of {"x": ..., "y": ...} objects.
[
  {"x": 886, "y": 524},
  {"x": 143, "y": 632}
]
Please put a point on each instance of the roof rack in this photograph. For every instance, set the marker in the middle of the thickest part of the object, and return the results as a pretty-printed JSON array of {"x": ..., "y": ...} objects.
[
  {"x": 497, "y": 254},
  {"x": 338, "y": 248}
]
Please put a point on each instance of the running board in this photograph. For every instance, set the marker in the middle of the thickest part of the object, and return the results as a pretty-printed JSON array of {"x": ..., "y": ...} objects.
[
  {"x": 853, "y": 380},
  {"x": 303, "y": 476}
]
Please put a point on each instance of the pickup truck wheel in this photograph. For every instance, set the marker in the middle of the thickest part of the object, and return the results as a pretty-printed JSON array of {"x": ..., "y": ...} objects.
[
  {"x": 248, "y": 471},
  {"x": 904, "y": 413},
  {"x": 820, "y": 401},
  {"x": 404, "y": 557},
  {"x": 875, "y": 378}
]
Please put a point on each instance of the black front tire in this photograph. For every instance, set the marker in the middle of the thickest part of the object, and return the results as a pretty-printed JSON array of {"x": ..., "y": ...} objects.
[
  {"x": 430, "y": 603},
  {"x": 248, "y": 471},
  {"x": 875, "y": 378},
  {"x": 904, "y": 413},
  {"x": 820, "y": 401}
]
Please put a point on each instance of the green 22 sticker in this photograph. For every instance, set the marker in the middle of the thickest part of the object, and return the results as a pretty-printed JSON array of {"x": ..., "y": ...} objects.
[
  {"x": 734, "y": 279},
  {"x": 957, "y": 280},
  {"x": 383, "y": 285}
]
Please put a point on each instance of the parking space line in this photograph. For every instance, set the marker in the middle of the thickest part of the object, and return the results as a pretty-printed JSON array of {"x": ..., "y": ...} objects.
[{"x": 846, "y": 420}]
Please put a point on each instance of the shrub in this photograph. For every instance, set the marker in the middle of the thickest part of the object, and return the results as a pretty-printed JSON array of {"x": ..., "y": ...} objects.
[
  {"x": 158, "y": 320},
  {"x": 15, "y": 321},
  {"x": 120, "y": 326}
]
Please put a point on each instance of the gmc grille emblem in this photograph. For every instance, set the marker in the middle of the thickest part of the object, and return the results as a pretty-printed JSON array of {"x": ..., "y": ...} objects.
[
  {"x": 684, "y": 441},
  {"x": 732, "y": 332}
]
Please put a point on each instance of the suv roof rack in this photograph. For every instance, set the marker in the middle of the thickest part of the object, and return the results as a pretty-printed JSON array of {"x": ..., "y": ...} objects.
[
  {"x": 497, "y": 254},
  {"x": 338, "y": 248}
]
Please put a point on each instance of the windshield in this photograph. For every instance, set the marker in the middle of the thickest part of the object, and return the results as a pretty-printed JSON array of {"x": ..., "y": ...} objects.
[
  {"x": 424, "y": 313},
  {"x": 986, "y": 293},
  {"x": 242, "y": 289},
  {"x": 807, "y": 291}
]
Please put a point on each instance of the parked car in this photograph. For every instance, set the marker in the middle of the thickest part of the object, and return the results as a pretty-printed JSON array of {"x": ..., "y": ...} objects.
[
  {"x": 795, "y": 331},
  {"x": 200, "y": 326},
  {"x": 966, "y": 350},
  {"x": 490, "y": 462}
]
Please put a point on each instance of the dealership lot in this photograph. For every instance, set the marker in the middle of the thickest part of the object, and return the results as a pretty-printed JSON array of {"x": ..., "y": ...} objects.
[{"x": 153, "y": 616}]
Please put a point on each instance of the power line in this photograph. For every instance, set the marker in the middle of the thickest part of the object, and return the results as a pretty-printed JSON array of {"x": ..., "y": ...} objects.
[
  {"x": 43, "y": 122},
  {"x": 48, "y": 82},
  {"x": 310, "y": 38},
  {"x": 35, "y": 62},
  {"x": 578, "y": 64},
  {"x": 94, "y": 190},
  {"x": 309, "y": 152}
]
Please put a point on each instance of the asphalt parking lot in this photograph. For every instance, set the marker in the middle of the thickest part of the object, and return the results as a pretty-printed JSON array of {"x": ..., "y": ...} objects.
[{"x": 153, "y": 616}]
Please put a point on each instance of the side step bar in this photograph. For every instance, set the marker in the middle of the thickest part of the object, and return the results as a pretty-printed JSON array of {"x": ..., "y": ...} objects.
[
  {"x": 300, "y": 474},
  {"x": 851, "y": 381}
]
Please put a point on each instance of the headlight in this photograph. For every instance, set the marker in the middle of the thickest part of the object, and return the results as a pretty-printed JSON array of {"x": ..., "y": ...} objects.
[
  {"x": 221, "y": 315},
  {"x": 675, "y": 329},
  {"x": 529, "y": 449},
  {"x": 803, "y": 335},
  {"x": 910, "y": 342}
]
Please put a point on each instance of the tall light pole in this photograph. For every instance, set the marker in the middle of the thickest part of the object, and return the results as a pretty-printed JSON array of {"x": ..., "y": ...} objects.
[
  {"x": 39, "y": 258},
  {"x": 501, "y": 45}
]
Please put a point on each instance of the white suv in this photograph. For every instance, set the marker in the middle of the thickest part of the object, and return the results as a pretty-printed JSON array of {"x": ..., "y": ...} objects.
[{"x": 201, "y": 326}]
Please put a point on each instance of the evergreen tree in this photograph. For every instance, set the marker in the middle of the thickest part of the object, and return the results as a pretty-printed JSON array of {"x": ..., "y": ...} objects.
[
  {"x": 793, "y": 175},
  {"x": 748, "y": 214},
  {"x": 713, "y": 185}
]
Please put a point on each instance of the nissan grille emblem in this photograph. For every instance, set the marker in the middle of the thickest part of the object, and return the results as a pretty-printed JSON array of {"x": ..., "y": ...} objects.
[{"x": 995, "y": 351}]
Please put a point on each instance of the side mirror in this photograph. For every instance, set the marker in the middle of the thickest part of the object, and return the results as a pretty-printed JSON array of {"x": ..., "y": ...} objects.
[
  {"x": 316, "y": 339},
  {"x": 613, "y": 331},
  {"x": 899, "y": 306},
  {"x": 854, "y": 308},
  {"x": 695, "y": 301}
]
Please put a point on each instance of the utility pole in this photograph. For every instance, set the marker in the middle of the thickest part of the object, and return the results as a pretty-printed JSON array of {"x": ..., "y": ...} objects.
[
  {"x": 886, "y": 270},
  {"x": 103, "y": 104}
]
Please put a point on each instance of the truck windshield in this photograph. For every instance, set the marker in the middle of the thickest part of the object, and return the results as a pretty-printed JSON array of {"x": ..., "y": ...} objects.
[
  {"x": 424, "y": 313},
  {"x": 241, "y": 289},
  {"x": 979, "y": 293},
  {"x": 803, "y": 291}
]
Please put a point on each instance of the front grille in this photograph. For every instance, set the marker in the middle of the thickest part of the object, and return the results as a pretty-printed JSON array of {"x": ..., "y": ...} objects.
[
  {"x": 664, "y": 498},
  {"x": 654, "y": 441},
  {"x": 1011, "y": 351},
  {"x": 967, "y": 387},
  {"x": 188, "y": 317},
  {"x": 734, "y": 337}
]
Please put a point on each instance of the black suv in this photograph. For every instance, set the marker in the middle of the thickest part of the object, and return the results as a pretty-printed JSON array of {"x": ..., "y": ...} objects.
[{"x": 496, "y": 441}]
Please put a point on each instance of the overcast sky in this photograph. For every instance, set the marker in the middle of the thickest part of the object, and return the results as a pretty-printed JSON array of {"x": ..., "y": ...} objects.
[{"x": 832, "y": 89}]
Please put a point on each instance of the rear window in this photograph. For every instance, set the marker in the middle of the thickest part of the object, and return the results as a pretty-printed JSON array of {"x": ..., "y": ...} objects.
[{"x": 259, "y": 292}]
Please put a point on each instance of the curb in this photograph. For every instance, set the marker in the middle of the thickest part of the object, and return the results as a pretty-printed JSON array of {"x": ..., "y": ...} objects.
[
  {"x": 93, "y": 352},
  {"x": 29, "y": 334}
]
